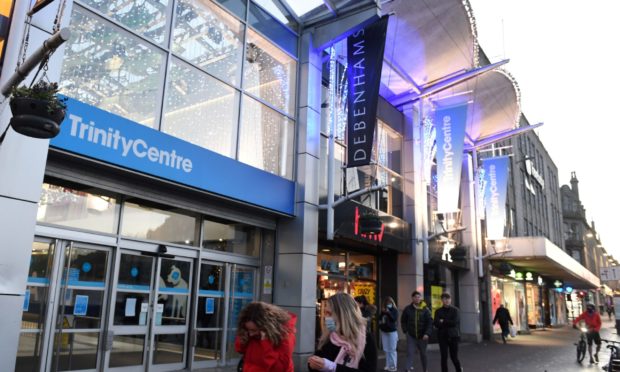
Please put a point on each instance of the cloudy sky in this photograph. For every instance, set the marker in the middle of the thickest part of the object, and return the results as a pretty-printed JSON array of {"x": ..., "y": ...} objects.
[{"x": 565, "y": 56}]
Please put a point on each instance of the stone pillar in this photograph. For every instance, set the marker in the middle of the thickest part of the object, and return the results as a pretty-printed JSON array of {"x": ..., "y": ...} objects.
[
  {"x": 469, "y": 285},
  {"x": 296, "y": 255}
]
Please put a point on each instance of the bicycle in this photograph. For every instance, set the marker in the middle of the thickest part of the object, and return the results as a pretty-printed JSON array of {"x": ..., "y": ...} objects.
[
  {"x": 581, "y": 344},
  {"x": 614, "y": 357}
]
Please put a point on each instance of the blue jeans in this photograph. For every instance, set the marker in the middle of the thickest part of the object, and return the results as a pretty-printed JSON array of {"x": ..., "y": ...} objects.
[{"x": 389, "y": 341}]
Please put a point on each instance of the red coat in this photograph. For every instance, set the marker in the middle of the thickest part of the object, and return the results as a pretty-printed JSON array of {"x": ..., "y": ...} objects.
[
  {"x": 593, "y": 321},
  {"x": 262, "y": 356}
]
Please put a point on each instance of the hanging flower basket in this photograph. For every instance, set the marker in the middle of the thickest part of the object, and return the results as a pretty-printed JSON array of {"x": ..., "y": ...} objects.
[
  {"x": 458, "y": 253},
  {"x": 37, "y": 111}
]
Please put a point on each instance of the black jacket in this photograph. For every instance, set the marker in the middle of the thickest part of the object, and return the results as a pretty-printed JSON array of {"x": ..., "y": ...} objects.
[
  {"x": 417, "y": 322},
  {"x": 368, "y": 362},
  {"x": 450, "y": 327},
  {"x": 502, "y": 315},
  {"x": 388, "y": 319}
]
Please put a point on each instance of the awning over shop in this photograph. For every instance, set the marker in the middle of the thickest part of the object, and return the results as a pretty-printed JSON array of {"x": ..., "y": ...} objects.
[
  {"x": 428, "y": 44},
  {"x": 541, "y": 256}
]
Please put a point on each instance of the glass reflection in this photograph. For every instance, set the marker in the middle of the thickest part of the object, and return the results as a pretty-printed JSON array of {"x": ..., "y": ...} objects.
[
  {"x": 208, "y": 346},
  {"x": 75, "y": 351},
  {"x": 201, "y": 109},
  {"x": 110, "y": 69},
  {"x": 231, "y": 237},
  {"x": 173, "y": 292},
  {"x": 210, "y": 38},
  {"x": 146, "y": 17},
  {"x": 168, "y": 349},
  {"x": 269, "y": 73},
  {"x": 266, "y": 139},
  {"x": 28, "y": 356},
  {"x": 127, "y": 350},
  {"x": 64, "y": 206},
  {"x": 142, "y": 222}
]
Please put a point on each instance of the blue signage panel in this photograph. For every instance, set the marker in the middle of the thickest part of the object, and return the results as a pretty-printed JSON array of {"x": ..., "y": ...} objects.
[
  {"x": 81, "y": 305},
  {"x": 98, "y": 134},
  {"x": 450, "y": 133},
  {"x": 494, "y": 194}
]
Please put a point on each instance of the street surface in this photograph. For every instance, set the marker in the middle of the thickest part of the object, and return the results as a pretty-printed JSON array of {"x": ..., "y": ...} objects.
[{"x": 549, "y": 350}]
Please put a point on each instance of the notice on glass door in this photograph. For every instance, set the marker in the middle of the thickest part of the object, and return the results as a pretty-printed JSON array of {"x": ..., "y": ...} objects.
[
  {"x": 144, "y": 308},
  {"x": 130, "y": 307},
  {"x": 158, "y": 313},
  {"x": 210, "y": 305},
  {"x": 81, "y": 305},
  {"x": 26, "y": 300}
]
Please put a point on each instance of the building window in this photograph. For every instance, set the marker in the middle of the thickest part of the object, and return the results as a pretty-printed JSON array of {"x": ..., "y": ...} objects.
[
  {"x": 142, "y": 221},
  {"x": 111, "y": 69},
  {"x": 232, "y": 237}
]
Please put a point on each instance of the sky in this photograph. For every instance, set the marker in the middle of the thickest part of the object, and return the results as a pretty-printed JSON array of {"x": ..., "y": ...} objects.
[{"x": 565, "y": 57}]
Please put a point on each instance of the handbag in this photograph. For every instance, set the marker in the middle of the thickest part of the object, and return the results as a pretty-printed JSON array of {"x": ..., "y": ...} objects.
[
  {"x": 513, "y": 331},
  {"x": 240, "y": 365}
]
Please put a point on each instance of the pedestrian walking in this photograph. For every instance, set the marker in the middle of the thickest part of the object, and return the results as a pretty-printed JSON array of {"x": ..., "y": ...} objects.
[
  {"x": 265, "y": 338},
  {"x": 448, "y": 324},
  {"x": 610, "y": 311},
  {"x": 593, "y": 323},
  {"x": 502, "y": 316},
  {"x": 344, "y": 344},
  {"x": 417, "y": 324},
  {"x": 368, "y": 311},
  {"x": 388, "y": 319}
]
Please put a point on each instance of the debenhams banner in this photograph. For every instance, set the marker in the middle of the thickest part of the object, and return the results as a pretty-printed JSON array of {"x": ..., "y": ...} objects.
[
  {"x": 365, "y": 59},
  {"x": 450, "y": 134},
  {"x": 495, "y": 189}
]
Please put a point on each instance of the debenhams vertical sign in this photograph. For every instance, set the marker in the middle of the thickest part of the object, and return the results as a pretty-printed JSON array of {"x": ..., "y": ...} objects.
[{"x": 365, "y": 58}]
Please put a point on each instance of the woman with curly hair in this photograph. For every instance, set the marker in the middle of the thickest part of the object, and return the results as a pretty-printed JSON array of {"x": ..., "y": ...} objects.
[
  {"x": 344, "y": 345},
  {"x": 266, "y": 338}
]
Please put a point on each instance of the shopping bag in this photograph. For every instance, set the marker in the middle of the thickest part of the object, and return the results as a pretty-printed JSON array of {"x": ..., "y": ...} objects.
[{"x": 513, "y": 331}]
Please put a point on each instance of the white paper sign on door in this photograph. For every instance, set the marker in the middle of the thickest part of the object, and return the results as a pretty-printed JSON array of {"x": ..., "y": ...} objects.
[
  {"x": 268, "y": 280},
  {"x": 130, "y": 307},
  {"x": 159, "y": 310}
]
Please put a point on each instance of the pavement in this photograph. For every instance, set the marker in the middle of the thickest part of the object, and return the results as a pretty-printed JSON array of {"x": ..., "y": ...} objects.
[{"x": 548, "y": 350}]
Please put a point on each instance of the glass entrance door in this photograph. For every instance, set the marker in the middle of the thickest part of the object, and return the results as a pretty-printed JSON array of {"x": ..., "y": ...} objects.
[
  {"x": 223, "y": 291},
  {"x": 148, "y": 326},
  {"x": 66, "y": 336}
]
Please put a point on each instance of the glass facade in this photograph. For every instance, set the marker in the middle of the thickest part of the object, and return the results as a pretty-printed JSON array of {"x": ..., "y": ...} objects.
[{"x": 179, "y": 67}]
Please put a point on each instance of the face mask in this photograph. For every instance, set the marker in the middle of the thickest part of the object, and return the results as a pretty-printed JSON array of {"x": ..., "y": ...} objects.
[
  {"x": 590, "y": 311},
  {"x": 330, "y": 324},
  {"x": 389, "y": 306}
]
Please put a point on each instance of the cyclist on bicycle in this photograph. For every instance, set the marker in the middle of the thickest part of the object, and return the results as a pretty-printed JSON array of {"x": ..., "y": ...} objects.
[{"x": 593, "y": 324}]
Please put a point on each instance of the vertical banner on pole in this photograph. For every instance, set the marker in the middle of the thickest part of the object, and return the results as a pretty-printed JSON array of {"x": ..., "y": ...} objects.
[
  {"x": 450, "y": 133},
  {"x": 496, "y": 181},
  {"x": 364, "y": 59}
]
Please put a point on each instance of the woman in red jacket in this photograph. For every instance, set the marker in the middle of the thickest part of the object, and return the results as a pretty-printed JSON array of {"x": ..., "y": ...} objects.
[{"x": 266, "y": 338}]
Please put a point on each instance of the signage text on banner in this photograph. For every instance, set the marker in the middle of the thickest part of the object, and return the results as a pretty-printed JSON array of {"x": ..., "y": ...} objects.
[
  {"x": 496, "y": 188},
  {"x": 364, "y": 58},
  {"x": 450, "y": 134}
]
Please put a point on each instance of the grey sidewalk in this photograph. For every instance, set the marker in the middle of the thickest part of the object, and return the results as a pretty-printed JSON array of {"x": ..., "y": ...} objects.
[{"x": 550, "y": 350}]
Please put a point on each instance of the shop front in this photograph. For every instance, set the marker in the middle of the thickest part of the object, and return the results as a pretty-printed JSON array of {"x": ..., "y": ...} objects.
[
  {"x": 511, "y": 293},
  {"x": 359, "y": 262},
  {"x": 118, "y": 282}
]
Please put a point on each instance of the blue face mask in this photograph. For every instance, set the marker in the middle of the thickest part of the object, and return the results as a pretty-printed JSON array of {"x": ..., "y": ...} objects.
[
  {"x": 330, "y": 324},
  {"x": 389, "y": 306}
]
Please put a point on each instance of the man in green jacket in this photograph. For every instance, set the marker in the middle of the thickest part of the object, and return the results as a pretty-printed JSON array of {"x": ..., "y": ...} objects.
[{"x": 417, "y": 324}]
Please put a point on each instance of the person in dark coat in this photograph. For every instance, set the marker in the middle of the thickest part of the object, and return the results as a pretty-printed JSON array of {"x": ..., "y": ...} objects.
[
  {"x": 448, "y": 324},
  {"x": 417, "y": 324},
  {"x": 368, "y": 311},
  {"x": 344, "y": 345},
  {"x": 502, "y": 316}
]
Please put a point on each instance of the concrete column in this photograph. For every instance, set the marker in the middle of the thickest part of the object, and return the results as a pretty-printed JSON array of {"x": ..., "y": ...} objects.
[
  {"x": 469, "y": 285},
  {"x": 295, "y": 284},
  {"x": 411, "y": 265},
  {"x": 22, "y": 167}
]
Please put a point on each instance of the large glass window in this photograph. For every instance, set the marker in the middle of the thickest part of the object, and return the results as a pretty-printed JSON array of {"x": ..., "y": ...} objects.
[
  {"x": 144, "y": 222},
  {"x": 269, "y": 73},
  {"x": 266, "y": 139},
  {"x": 109, "y": 68},
  {"x": 201, "y": 109},
  {"x": 231, "y": 237},
  {"x": 146, "y": 17},
  {"x": 78, "y": 209},
  {"x": 207, "y": 36}
]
